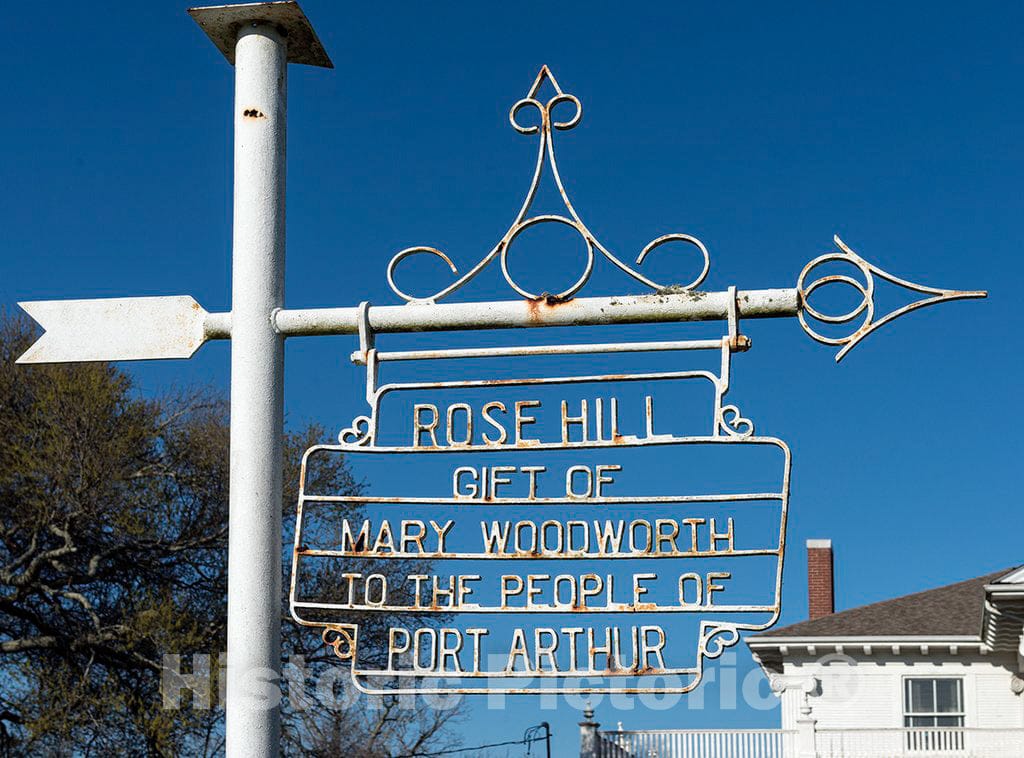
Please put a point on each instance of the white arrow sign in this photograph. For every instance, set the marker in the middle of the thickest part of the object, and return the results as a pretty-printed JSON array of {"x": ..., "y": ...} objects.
[{"x": 116, "y": 329}]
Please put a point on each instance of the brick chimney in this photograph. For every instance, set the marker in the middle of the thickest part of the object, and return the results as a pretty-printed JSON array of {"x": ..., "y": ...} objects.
[{"x": 820, "y": 582}]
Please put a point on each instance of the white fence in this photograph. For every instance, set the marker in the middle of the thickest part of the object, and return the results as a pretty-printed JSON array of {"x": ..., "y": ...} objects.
[
  {"x": 697, "y": 743},
  {"x": 828, "y": 743},
  {"x": 931, "y": 742}
]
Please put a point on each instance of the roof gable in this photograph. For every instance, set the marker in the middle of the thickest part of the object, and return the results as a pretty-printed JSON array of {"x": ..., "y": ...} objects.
[
  {"x": 954, "y": 610},
  {"x": 1014, "y": 577}
]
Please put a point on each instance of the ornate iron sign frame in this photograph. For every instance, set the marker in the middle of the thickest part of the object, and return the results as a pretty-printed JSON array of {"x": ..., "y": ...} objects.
[
  {"x": 725, "y": 426},
  {"x": 546, "y": 671}
]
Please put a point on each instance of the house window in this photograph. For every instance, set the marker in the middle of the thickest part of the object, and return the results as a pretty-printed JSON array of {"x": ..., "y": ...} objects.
[
  {"x": 930, "y": 704},
  {"x": 934, "y": 702}
]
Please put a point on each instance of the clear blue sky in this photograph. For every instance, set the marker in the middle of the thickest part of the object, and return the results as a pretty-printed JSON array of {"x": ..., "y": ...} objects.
[{"x": 762, "y": 131}]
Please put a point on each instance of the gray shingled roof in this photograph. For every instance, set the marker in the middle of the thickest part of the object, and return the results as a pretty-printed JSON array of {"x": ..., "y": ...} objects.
[{"x": 953, "y": 610}]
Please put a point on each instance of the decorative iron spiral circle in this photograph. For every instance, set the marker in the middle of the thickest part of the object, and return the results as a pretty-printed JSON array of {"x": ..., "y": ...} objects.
[
  {"x": 865, "y": 288},
  {"x": 545, "y": 111},
  {"x": 565, "y": 98},
  {"x": 514, "y": 113},
  {"x": 410, "y": 251},
  {"x": 534, "y": 221},
  {"x": 688, "y": 239}
]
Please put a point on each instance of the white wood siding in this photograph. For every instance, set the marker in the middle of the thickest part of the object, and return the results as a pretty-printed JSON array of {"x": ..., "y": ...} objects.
[{"x": 868, "y": 692}]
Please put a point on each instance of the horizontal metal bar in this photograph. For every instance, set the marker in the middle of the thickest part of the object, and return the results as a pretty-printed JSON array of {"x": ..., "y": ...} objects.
[
  {"x": 519, "y": 674},
  {"x": 704, "y": 731},
  {"x": 506, "y": 352},
  {"x": 613, "y": 609},
  {"x": 217, "y": 326},
  {"x": 520, "y": 314},
  {"x": 532, "y": 556},
  {"x": 602, "y": 500}
]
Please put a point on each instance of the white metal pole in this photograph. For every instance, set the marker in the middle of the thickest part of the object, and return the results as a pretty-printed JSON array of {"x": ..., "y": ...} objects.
[
  {"x": 522, "y": 314},
  {"x": 257, "y": 395}
]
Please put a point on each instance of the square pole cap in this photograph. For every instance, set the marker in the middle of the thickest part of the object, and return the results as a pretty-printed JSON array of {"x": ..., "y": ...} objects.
[{"x": 222, "y": 22}]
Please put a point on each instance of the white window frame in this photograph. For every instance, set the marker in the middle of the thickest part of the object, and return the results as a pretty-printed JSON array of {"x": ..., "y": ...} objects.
[
  {"x": 933, "y": 737},
  {"x": 934, "y": 714}
]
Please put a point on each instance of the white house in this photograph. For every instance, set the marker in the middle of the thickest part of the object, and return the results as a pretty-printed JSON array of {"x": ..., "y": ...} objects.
[{"x": 935, "y": 673}]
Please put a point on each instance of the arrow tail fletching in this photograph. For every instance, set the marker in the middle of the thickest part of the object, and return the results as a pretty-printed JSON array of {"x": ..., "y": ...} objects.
[{"x": 116, "y": 329}]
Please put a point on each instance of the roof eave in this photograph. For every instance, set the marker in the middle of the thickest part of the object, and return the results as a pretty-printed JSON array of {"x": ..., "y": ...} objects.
[{"x": 909, "y": 639}]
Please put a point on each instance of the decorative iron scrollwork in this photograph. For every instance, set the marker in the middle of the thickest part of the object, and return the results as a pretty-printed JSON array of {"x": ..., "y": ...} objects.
[
  {"x": 339, "y": 636},
  {"x": 524, "y": 221},
  {"x": 733, "y": 424},
  {"x": 357, "y": 434},
  {"x": 715, "y": 637},
  {"x": 865, "y": 286}
]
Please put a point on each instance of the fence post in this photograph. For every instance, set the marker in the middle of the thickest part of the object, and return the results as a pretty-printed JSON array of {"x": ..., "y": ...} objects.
[
  {"x": 806, "y": 733},
  {"x": 588, "y": 735}
]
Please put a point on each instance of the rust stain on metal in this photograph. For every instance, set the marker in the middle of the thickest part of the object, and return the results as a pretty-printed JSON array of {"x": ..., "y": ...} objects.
[{"x": 552, "y": 300}]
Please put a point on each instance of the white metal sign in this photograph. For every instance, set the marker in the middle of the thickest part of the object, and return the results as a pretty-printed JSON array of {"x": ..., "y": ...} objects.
[
  {"x": 574, "y": 445},
  {"x": 576, "y": 533}
]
